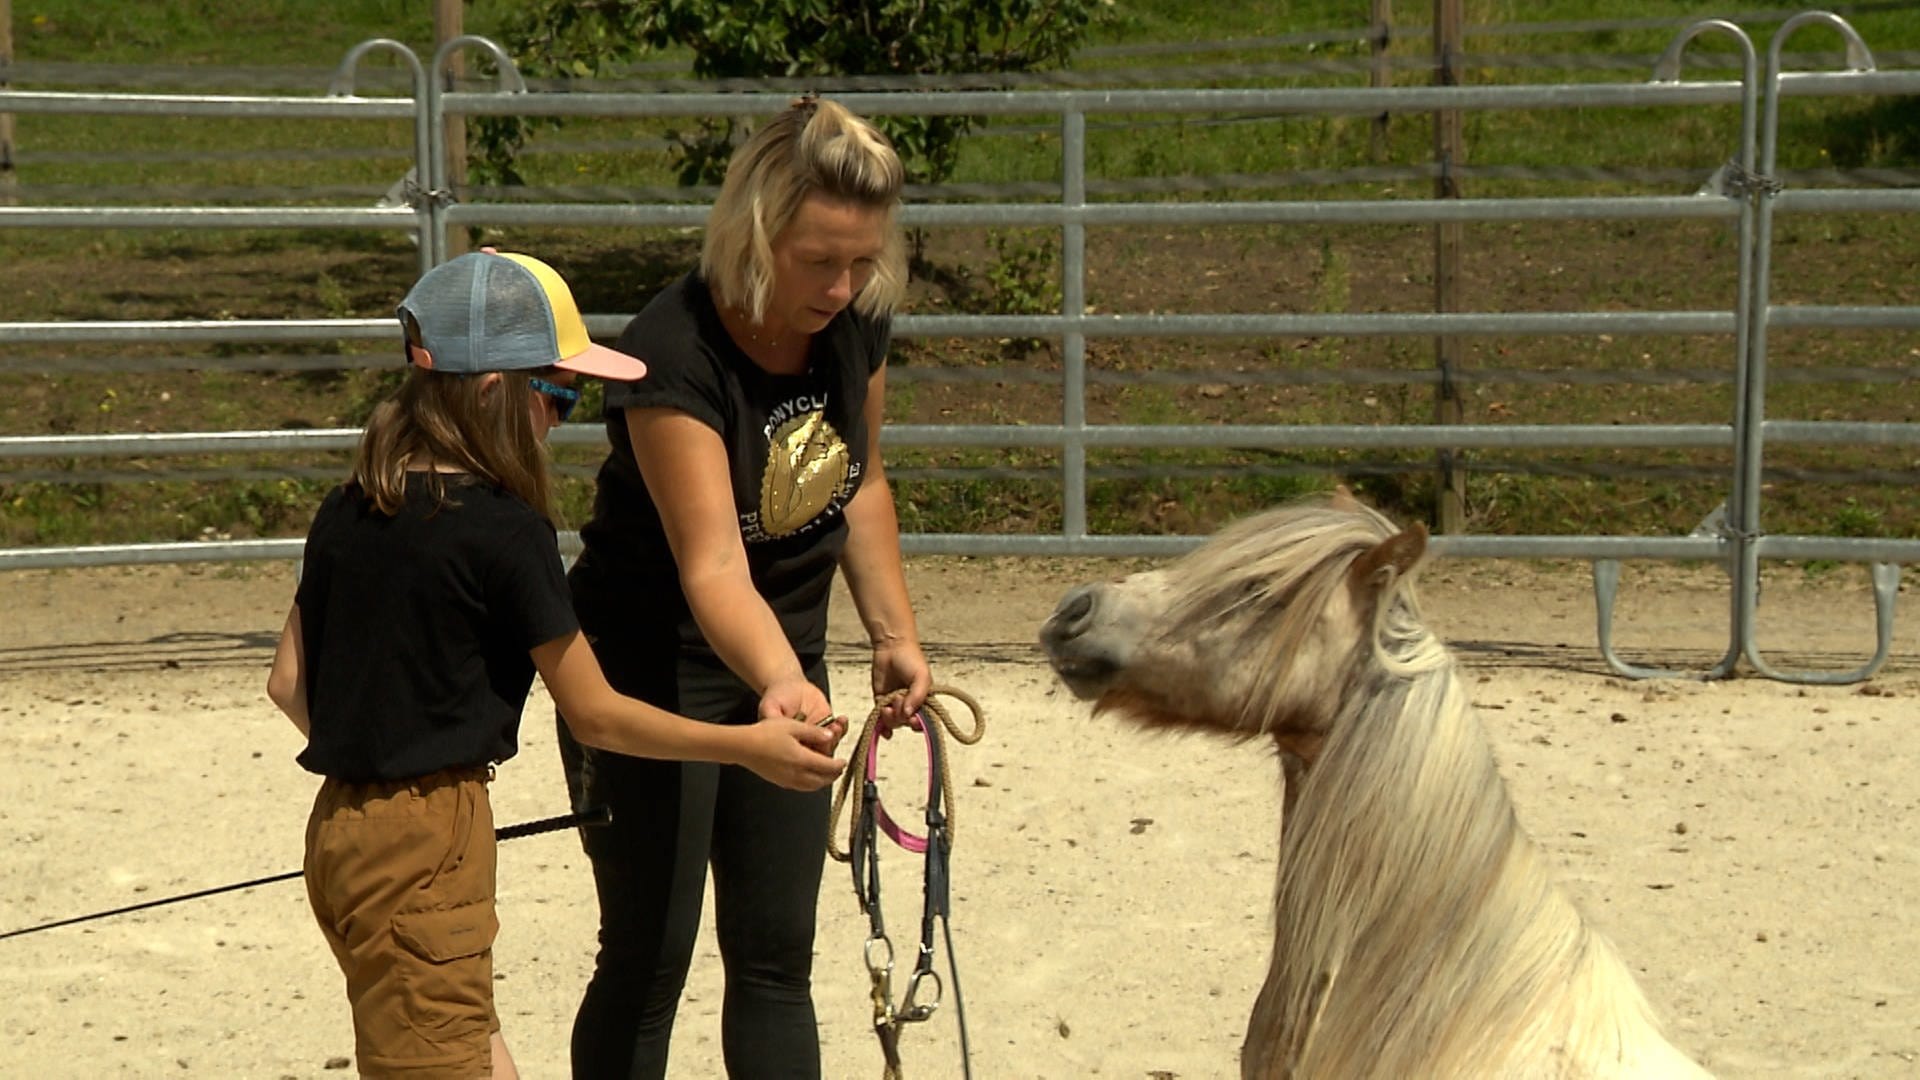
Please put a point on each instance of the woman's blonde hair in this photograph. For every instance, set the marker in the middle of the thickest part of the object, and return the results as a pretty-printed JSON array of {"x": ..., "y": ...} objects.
[
  {"x": 447, "y": 420},
  {"x": 814, "y": 148}
]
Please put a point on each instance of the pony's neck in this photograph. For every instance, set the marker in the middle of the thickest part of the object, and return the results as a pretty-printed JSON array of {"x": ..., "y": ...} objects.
[{"x": 1416, "y": 927}]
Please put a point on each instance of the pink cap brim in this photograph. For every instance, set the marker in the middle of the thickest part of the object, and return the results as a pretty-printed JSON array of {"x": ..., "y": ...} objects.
[{"x": 604, "y": 363}]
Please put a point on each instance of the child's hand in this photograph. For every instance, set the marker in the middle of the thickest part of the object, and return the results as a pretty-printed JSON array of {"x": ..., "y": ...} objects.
[{"x": 793, "y": 754}]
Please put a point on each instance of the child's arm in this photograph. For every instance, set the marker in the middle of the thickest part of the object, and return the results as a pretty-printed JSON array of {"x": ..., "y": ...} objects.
[
  {"x": 785, "y": 751},
  {"x": 287, "y": 681}
]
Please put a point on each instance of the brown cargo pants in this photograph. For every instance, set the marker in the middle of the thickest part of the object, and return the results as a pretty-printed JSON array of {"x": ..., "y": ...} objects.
[{"x": 401, "y": 878}]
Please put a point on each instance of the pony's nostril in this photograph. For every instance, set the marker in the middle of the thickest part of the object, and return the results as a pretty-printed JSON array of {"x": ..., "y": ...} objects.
[{"x": 1070, "y": 618}]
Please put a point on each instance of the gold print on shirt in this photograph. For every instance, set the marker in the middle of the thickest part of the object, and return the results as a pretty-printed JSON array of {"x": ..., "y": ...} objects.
[{"x": 806, "y": 470}]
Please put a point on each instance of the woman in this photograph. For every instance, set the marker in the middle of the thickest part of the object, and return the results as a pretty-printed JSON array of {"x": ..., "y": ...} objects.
[{"x": 744, "y": 470}]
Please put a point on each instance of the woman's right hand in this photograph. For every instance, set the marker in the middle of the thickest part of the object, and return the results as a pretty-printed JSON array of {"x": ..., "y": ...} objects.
[{"x": 795, "y": 698}]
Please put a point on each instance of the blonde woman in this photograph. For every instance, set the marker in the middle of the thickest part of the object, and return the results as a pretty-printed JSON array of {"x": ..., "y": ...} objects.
[
  {"x": 744, "y": 470},
  {"x": 431, "y": 593}
]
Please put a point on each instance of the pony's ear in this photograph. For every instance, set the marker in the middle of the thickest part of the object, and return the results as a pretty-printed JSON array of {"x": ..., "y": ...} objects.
[
  {"x": 1402, "y": 552},
  {"x": 1342, "y": 499}
]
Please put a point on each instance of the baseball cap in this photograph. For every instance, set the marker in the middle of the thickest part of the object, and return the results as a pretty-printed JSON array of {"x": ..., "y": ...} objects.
[{"x": 497, "y": 311}]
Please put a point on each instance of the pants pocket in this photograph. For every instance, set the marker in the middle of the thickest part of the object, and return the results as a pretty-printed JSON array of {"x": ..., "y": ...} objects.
[
  {"x": 448, "y": 934},
  {"x": 447, "y": 968}
]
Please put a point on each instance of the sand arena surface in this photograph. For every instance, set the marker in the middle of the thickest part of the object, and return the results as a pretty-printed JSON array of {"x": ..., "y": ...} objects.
[{"x": 1750, "y": 846}]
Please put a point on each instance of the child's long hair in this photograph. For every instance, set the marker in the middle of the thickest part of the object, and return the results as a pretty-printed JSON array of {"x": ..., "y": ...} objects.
[{"x": 444, "y": 420}]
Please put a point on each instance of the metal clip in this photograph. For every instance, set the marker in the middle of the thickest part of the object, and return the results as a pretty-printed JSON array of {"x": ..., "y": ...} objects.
[
  {"x": 912, "y": 1009},
  {"x": 881, "y": 972},
  {"x": 1738, "y": 180}
]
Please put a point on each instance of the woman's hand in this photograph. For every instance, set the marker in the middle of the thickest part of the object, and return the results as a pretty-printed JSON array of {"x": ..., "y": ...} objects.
[
  {"x": 794, "y": 698},
  {"x": 900, "y": 666}
]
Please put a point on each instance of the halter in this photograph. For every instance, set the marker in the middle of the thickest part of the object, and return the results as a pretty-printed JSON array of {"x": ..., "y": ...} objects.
[{"x": 925, "y": 989}]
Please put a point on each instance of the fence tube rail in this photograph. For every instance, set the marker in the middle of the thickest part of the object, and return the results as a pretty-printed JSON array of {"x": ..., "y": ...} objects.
[{"x": 206, "y": 217}]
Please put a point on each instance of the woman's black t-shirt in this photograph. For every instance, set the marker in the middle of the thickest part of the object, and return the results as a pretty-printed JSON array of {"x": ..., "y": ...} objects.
[
  {"x": 416, "y": 628},
  {"x": 796, "y": 452}
]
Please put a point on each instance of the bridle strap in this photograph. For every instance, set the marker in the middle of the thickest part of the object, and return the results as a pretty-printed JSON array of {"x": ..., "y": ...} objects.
[
  {"x": 935, "y": 846},
  {"x": 893, "y": 829}
]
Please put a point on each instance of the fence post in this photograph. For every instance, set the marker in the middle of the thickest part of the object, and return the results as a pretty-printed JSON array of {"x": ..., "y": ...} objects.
[
  {"x": 1380, "y": 74},
  {"x": 9, "y": 182},
  {"x": 1449, "y": 151},
  {"x": 1073, "y": 344},
  {"x": 447, "y": 26}
]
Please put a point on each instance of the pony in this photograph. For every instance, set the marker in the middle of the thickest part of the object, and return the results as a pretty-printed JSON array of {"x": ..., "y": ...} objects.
[{"x": 1418, "y": 930}]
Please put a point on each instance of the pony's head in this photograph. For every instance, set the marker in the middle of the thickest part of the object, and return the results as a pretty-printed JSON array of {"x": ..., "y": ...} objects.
[{"x": 1256, "y": 632}]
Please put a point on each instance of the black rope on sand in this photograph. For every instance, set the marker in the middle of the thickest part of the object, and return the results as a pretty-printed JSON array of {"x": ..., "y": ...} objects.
[{"x": 599, "y": 815}]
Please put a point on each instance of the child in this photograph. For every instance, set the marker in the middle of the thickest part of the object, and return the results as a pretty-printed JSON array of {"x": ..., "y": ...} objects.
[{"x": 432, "y": 591}]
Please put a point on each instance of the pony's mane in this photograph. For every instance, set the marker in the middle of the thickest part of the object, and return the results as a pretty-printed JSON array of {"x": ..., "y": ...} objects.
[{"x": 1418, "y": 932}]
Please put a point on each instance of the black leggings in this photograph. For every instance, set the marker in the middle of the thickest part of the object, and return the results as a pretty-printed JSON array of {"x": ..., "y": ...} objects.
[{"x": 671, "y": 820}]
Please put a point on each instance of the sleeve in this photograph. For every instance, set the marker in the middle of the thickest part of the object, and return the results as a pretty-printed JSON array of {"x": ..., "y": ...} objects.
[
  {"x": 528, "y": 587},
  {"x": 313, "y": 576},
  {"x": 682, "y": 371}
]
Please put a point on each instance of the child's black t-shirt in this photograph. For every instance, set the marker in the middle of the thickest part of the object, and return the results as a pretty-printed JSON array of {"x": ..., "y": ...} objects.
[
  {"x": 796, "y": 452},
  {"x": 416, "y": 628}
]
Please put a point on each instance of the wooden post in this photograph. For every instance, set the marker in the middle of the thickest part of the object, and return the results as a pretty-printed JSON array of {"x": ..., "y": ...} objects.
[
  {"x": 9, "y": 181},
  {"x": 1381, "y": 72},
  {"x": 447, "y": 15},
  {"x": 1449, "y": 152}
]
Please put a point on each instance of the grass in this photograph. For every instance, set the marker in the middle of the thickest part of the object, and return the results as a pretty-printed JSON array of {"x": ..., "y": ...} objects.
[
  {"x": 1847, "y": 259},
  {"x": 164, "y": 153}
]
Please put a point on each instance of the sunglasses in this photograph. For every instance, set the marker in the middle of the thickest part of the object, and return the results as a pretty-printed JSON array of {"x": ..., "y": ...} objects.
[{"x": 564, "y": 398}]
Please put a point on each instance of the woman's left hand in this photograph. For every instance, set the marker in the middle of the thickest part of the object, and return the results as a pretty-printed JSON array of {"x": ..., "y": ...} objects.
[{"x": 900, "y": 665}]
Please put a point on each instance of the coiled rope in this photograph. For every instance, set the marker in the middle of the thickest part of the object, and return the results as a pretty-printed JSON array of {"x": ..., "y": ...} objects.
[{"x": 856, "y": 762}]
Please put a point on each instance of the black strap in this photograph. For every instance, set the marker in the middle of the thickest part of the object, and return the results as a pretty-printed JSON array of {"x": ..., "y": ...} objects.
[
  {"x": 598, "y": 815},
  {"x": 863, "y": 852},
  {"x": 938, "y": 901}
]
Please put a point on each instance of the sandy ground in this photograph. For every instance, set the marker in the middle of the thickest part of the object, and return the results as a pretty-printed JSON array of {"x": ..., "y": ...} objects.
[{"x": 1751, "y": 846}]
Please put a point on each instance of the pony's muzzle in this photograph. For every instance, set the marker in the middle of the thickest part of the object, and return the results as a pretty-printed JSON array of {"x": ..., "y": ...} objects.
[{"x": 1074, "y": 645}]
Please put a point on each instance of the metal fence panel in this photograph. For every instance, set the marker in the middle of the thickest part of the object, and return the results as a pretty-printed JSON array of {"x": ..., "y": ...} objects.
[{"x": 1746, "y": 195}]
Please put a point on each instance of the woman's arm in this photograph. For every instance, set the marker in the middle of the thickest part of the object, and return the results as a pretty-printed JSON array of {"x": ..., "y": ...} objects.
[
  {"x": 877, "y": 580},
  {"x": 685, "y": 466},
  {"x": 787, "y": 752},
  {"x": 287, "y": 679}
]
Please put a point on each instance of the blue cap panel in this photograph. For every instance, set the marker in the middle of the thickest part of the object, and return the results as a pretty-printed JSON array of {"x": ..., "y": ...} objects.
[{"x": 481, "y": 312}]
